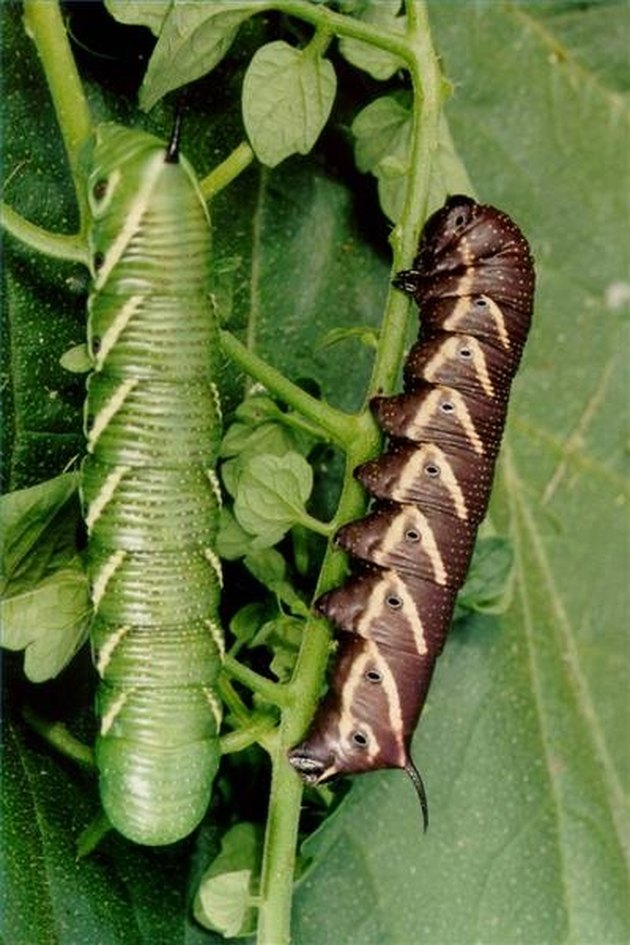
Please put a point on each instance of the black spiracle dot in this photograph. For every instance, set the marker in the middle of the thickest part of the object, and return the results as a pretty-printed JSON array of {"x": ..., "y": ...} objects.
[
  {"x": 98, "y": 260},
  {"x": 89, "y": 422},
  {"x": 100, "y": 189},
  {"x": 96, "y": 344},
  {"x": 447, "y": 406},
  {"x": 374, "y": 676},
  {"x": 393, "y": 601},
  {"x": 480, "y": 302},
  {"x": 432, "y": 470},
  {"x": 465, "y": 354},
  {"x": 360, "y": 739},
  {"x": 412, "y": 534}
]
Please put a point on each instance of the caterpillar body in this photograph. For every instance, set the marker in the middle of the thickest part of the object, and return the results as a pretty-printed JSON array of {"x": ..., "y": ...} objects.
[
  {"x": 473, "y": 280},
  {"x": 149, "y": 492}
]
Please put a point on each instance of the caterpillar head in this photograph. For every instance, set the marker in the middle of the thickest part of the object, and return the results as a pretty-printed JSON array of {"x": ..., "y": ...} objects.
[{"x": 352, "y": 731}]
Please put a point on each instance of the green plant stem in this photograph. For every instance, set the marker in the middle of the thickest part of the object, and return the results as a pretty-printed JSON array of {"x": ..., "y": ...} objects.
[
  {"x": 57, "y": 735},
  {"x": 341, "y": 427},
  {"x": 415, "y": 48},
  {"x": 44, "y": 24},
  {"x": 271, "y": 691},
  {"x": 57, "y": 245},
  {"x": 341, "y": 25},
  {"x": 234, "y": 164},
  {"x": 255, "y": 732}
]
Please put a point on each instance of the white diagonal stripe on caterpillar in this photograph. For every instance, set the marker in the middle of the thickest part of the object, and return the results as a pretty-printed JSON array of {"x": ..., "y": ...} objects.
[
  {"x": 108, "y": 718},
  {"x": 105, "y": 574},
  {"x": 115, "y": 329},
  {"x": 105, "y": 495},
  {"x": 106, "y": 651},
  {"x": 109, "y": 410},
  {"x": 136, "y": 211},
  {"x": 213, "y": 559}
]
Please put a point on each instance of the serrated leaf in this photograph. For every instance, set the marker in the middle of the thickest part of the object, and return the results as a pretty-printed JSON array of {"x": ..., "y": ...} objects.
[
  {"x": 379, "y": 63},
  {"x": 287, "y": 97},
  {"x": 243, "y": 441},
  {"x": 194, "y": 38},
  {"x": 272, "y": 493},
  {"x": 49, "y": 621},
  {"x": 38, "y": 531}
]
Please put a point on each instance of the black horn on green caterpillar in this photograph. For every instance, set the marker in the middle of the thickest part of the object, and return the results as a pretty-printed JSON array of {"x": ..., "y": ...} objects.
[{"x": 149, "y": 490}]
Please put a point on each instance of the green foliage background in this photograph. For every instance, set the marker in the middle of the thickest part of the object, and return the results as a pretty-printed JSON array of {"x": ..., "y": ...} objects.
[{"x": 523, "y": 744}]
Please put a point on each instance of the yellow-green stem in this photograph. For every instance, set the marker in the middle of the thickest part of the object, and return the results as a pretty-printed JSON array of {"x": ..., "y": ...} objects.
[{"x": 44, "y": 24}]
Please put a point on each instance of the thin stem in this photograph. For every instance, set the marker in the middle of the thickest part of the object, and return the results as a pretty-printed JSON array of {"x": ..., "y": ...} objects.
[
  {"x": 57, "y": 245},
  {"x": 341, "y": 25},
  {"x": 286, "y": 792},
  {"x": 254, "y": 732},
  {"x": 222, "y": 175},
  {"x": 58, "y": 736},
  {"x": 427, "y": 85},
  {"x": 271, "y": 691},
  {"x": 339, "y": 426},
  {"x": 44, "y": 24}
]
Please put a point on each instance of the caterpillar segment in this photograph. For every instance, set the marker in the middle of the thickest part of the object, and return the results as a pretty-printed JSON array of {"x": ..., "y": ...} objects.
[
  {"x": 473, "y": 280},
  {"x": 149, "y": 490}
]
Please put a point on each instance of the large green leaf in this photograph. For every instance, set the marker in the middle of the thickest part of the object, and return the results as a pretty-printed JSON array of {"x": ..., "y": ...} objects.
[{"x": 523, "y": 744}]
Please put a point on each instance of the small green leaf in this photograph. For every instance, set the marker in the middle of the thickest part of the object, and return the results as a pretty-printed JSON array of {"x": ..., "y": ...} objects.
[
  {"x": 243, "y": 441},
  {"x": 383, "y": 137},
  {"x": 379, "y": 63},
  {"x": 194, "y": 37},
  {"x": 50, "y": 622},
  {"x": 272, "y": 492},
  {"x": 77, "y": 360},
  {"x": 224, "y": 898},
  {"x": 287, "y": 97}
]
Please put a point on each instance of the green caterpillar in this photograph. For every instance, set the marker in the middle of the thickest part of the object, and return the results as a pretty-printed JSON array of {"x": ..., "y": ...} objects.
[{"x": 149, "y": 492}]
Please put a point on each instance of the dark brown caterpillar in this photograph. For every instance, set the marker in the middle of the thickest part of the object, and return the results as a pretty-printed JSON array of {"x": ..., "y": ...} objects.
[{"x": 473, "y": 279}]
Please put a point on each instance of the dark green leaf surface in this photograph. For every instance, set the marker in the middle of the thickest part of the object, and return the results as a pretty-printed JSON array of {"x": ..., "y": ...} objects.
[{"x": 523, "y": 745}]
